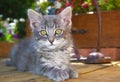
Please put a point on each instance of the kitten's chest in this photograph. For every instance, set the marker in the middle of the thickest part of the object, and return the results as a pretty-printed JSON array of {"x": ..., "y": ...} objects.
[{"x": 59, "y": 57}]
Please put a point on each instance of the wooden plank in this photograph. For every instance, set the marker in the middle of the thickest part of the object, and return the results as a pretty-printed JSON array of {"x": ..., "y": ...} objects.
[
  {"x": 15, "y": 76},
  {"x": 9, "y": 74},
  {"x": 86, "y": 68},
  {"x": 111, "y": 74}
]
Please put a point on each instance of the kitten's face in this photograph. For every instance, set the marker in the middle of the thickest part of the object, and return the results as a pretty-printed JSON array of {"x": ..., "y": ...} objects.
[{"x": 51, "y": 31}]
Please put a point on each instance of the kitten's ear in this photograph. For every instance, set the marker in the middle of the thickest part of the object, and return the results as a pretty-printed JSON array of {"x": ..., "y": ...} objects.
[
  {"x": 34, "y": 17},
  {"x": 66, "y": 16}
]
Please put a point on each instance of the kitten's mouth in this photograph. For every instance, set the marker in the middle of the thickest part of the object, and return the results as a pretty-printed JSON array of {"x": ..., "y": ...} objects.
[{"x": 52, "y": 45}]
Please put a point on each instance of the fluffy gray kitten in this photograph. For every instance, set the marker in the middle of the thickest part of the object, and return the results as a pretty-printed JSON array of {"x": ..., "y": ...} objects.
[{"x": 48, "y": 51}]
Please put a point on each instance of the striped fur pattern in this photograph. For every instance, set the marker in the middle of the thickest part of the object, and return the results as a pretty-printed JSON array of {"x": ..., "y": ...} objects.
[{"x": 48, "y": 51}]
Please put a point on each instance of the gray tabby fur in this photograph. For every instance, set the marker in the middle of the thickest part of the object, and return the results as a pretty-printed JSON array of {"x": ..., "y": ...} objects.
[{"x": 50, "y": 55}]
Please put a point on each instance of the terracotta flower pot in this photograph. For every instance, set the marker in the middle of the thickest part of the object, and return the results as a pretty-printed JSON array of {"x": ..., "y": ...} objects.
[{"x": 5, "y": 48}]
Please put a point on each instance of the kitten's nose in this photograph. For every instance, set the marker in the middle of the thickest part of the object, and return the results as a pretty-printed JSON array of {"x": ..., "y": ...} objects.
[{"x": 51, "y": 40}]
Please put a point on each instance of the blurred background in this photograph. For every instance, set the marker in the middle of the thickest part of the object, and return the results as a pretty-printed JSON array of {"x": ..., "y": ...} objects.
[
  {"x": 14, "y": 24},
  {"x": 13, "y": 14}
]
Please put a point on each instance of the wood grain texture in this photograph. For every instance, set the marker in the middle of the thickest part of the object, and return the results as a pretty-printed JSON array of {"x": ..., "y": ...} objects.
[
  {"x": 9, "y": 74},
  {"x": 110, "y": 31}
]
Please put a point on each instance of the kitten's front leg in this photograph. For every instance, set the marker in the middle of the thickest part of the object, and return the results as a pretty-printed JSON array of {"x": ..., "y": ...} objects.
[
  {"x": 58, "y": 74},
  {"x": 21, "y": 64}
]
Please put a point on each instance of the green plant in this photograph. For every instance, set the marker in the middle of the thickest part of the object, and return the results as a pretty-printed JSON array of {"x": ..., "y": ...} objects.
[
  {"x": 44, "y": 6},
  {"x": 21, "y": 31},
  {"x": 109, "y": 5},
  {"x": 15, "y": 8},
  {"x": 12, "y": 29},
  {"x": 84, "y": 6}
]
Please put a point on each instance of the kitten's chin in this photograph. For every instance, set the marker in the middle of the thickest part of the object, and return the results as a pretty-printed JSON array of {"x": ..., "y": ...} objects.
[{"x": 52, "y": 47}]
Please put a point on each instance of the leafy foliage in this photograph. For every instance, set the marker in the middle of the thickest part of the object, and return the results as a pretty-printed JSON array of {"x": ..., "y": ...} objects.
[
  {"x": 109, "y": 5},
  {"x": 44, "y": 6},
  {"x": 15, "y": 8},
  {"x": 12, "y": 29}
]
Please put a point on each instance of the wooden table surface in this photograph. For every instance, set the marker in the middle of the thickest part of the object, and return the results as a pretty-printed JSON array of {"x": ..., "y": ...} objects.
[{"x": 87, "y": 73}]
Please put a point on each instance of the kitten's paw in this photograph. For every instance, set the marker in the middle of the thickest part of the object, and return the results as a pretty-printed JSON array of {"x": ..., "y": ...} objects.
[
  {"x": 73, "y": 74},
  {"x": 62, "y": 75},
  {"x": 59, "y": 75}
]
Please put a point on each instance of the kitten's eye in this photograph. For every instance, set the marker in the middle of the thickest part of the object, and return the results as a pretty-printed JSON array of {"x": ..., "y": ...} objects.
[
  {"x": 58, "y": 31},
  {"x": 43, "y": 32}
]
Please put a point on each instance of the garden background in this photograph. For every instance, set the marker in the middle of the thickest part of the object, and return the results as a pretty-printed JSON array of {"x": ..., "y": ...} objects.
[{"x": 14, "y": 24}]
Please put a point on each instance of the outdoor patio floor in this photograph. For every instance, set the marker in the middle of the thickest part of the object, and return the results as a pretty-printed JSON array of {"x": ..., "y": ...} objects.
[{"x": 87, "y": 73}]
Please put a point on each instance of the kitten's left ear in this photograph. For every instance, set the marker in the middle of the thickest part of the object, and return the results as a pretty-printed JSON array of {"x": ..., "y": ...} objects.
[
  {"x": 66, "y": 16},
  {"x": 34, "y": 18}
]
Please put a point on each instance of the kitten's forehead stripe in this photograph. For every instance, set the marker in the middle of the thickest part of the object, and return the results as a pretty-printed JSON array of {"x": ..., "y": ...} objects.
[
  {"x": 49, "y": 21},
  {"x": 51, "y": 25}
]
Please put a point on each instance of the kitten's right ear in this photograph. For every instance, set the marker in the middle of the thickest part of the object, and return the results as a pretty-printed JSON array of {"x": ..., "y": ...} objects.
[{"x": 34, "y": 17}]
